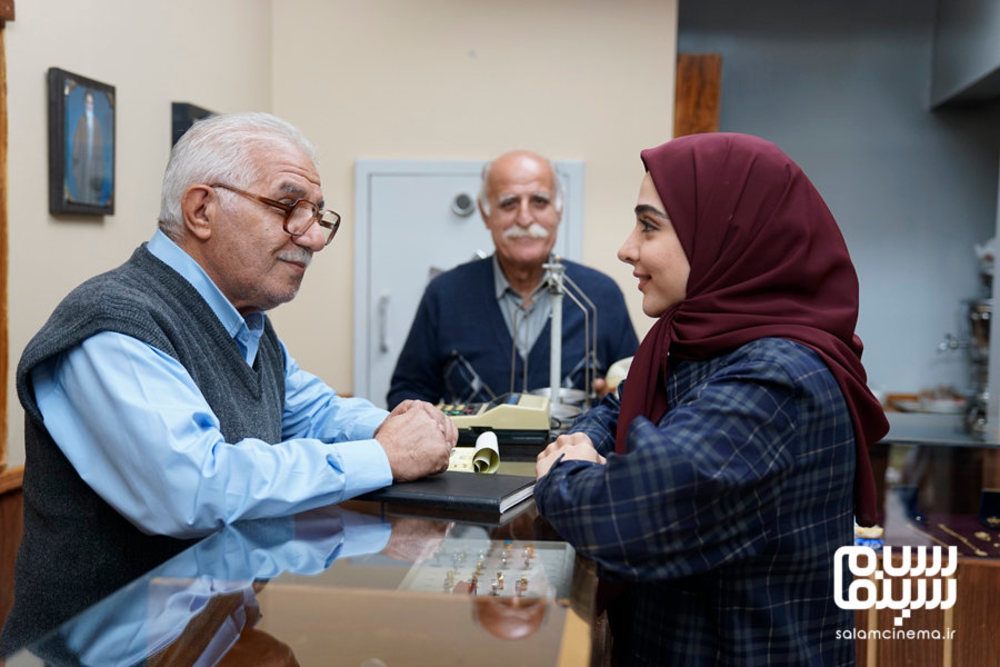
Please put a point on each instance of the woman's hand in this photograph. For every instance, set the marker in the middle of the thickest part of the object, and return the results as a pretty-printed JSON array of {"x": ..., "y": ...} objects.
[{"x": 572, "y": 446}]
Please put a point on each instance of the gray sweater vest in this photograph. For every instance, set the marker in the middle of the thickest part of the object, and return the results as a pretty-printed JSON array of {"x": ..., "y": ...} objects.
[{"x": 76, "y": 548}]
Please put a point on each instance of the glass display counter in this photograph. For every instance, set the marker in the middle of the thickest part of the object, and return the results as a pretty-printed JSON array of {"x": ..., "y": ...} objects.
[
  {"x": 937, "y": 486},
  {"x": 346, "y": 585}
]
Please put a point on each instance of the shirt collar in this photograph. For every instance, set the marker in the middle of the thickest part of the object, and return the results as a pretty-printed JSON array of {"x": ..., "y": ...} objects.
[
  {"x": 171, "y": 254},
  {"x": 502, "y": 286}
]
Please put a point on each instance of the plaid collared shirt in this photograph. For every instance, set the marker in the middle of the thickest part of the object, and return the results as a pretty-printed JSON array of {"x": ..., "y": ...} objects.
[{"x": 722, "y": 519}]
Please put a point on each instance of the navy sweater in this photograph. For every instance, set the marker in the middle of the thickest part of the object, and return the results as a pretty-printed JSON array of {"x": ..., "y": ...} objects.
[{"x": 459, "y": 343}]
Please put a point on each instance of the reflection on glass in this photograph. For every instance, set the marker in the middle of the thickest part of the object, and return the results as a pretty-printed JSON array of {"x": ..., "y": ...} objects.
[
  {"x": 202, "y": 604},
  {"x": 210, "y": 604},
  {"x": 940, "y": 495}
]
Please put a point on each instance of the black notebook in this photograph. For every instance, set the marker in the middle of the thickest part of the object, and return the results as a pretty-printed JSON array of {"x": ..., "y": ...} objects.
[{"x": 459, "y": 490}]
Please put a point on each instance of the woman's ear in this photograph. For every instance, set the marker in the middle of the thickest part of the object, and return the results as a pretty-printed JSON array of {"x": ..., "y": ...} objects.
[{"x": 199, "y": 206}]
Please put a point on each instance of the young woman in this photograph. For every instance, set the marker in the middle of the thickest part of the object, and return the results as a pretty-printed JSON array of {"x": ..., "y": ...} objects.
[{"x": 717, "y": 490}]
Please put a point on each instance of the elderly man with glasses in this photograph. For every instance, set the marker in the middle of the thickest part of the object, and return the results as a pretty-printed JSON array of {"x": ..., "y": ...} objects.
[{"x": 160, "y": 403}]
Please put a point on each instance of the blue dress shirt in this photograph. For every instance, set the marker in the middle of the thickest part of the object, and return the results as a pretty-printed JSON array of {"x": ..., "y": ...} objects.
[{"x": 139, "y": 432}]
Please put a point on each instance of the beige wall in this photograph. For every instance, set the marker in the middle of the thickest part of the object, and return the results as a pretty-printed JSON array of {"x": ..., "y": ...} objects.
[
  {"x": 450, "y": 79},
  {"x": 215, "y": 54}
]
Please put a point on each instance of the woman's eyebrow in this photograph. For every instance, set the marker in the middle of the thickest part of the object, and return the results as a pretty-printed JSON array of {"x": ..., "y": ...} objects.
[{"x": 646, "y": 208}]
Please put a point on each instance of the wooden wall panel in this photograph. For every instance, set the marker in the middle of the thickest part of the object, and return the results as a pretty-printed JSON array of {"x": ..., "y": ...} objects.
[
  {"x": 11, "y": 529},
  {"x": 972, "y": 620},
  {"x": 696, "y": 102},
  {"x": 977, "y": 609},
  {"x": 912, "y": 652}
]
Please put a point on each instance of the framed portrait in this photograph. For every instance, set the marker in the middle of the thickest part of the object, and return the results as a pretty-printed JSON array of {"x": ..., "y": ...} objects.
[
  {"x": 81, "y": 144},
  {"x": 182, "y": 116}
]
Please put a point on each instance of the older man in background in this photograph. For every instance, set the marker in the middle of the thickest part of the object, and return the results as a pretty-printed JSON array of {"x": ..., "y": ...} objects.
[{"x": 482, "y": 328}]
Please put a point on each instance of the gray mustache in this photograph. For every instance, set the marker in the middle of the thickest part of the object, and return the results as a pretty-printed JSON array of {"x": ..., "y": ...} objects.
[
  {"x": 535, "y": 231},
  {"x": 298, "y": 255}
]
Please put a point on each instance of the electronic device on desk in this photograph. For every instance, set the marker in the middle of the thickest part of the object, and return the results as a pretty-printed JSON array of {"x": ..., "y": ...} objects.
[{"x": 519, "y": 420}]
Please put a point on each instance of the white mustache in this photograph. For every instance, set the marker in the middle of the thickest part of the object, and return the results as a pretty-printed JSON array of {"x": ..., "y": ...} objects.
[
  {"x": 298, "y": 256},
  {"x": 535, "y": 231}
]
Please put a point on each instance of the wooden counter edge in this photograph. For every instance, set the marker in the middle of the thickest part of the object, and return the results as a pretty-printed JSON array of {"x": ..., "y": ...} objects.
[
  {"x": 10, "y": 480},
  {"x": 575, "y": 645}
]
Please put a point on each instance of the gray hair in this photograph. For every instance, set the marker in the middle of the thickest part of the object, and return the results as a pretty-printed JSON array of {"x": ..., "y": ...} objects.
[
  {"x": 220, "y": 149},
  {"x": 483, "y": 197}
]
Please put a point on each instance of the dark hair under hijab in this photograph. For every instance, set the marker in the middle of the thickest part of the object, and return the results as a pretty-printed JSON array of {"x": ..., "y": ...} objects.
[{"x": 767, "y": 260}]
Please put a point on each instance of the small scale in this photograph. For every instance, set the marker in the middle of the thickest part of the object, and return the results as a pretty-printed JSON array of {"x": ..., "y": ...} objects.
[{"x": 520, "y": 421}]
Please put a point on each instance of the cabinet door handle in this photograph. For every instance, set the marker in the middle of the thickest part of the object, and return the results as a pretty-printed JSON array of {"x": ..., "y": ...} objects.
[{"x": 383, "y": 323}]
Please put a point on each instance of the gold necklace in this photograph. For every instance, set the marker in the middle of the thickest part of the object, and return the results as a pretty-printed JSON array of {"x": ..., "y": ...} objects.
[
  {"x": 976, "y": 550},
  {"x": 928, "y": 535}
]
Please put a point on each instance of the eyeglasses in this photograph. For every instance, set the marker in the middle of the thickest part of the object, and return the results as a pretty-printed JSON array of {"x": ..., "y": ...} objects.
[{"x": 299, "y": 215}]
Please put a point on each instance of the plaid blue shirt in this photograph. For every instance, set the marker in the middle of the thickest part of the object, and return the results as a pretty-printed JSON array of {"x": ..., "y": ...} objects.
[{"x": 723, "y": 518}]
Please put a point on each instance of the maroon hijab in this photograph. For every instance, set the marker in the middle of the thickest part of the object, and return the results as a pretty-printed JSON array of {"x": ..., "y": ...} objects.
[{"x": 767, "y": 260}]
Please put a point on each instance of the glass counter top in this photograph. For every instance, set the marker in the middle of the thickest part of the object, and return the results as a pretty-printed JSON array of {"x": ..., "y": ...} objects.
[
  {"x": 935, "y": 492},
  {"x": 345, "y": 585},
  {"x": 946, "y": 430}
]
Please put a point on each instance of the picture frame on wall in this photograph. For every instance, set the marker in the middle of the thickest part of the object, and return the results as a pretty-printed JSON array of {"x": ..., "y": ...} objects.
[
  {"x": 81, "y": 144},
  {"x": 182, "y": 116}
]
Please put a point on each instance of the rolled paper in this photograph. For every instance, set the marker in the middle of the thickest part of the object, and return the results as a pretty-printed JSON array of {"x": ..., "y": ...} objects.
[
  {"x": 461, "y": 459},
  {"x": 486, "y": 457}
]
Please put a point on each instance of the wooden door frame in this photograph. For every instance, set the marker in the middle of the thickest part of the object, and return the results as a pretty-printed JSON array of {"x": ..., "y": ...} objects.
[
  {"x": 697, "y": 91},
  {"x": 6, "y": 14}
]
